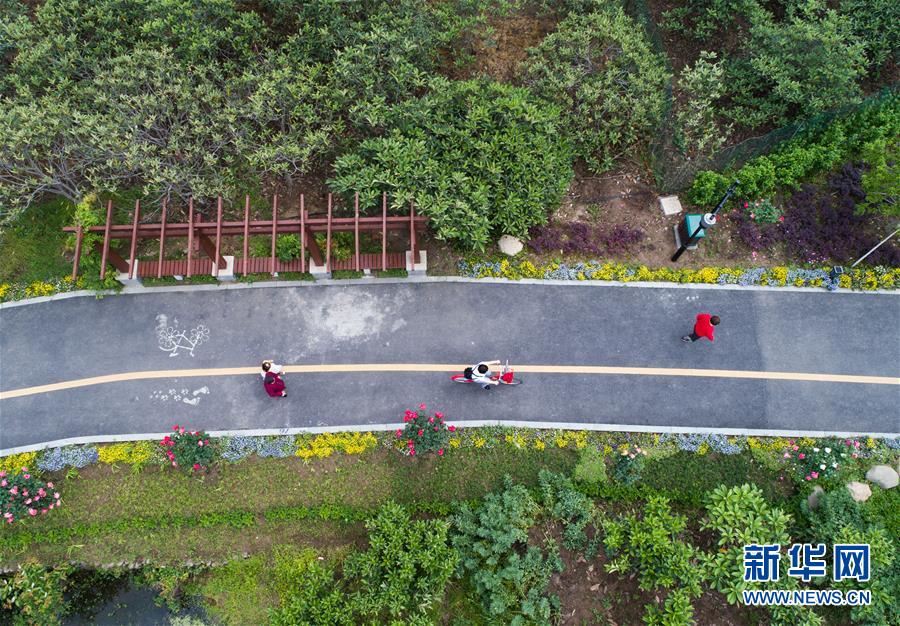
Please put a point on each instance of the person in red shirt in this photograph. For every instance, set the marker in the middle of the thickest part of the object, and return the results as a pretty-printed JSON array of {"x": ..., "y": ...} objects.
[{"x": 703, "y": 327}]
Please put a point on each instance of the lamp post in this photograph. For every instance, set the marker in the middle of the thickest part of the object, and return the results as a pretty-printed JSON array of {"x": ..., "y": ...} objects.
[
  {"x": 709, "y": 219},
  {"x": 836, "y": 271}
]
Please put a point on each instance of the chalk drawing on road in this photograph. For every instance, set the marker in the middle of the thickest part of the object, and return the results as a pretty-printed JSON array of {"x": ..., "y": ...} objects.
[
  {"x": 180, "y": 395},
  {"x": 170, "y": 339}
]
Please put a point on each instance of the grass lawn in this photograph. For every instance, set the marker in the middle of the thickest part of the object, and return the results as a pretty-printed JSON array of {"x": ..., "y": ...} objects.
[
  {"x": 33, "y": 246},
  {"x": 112, "y": 514}
]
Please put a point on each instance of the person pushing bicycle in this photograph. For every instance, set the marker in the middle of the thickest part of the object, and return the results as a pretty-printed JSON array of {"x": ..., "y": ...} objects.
[{"x": 481, "y": 373}]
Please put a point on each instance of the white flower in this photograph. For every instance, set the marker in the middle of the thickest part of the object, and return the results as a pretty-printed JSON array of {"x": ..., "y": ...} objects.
[
  {"x": 815, "y": 449},
  {"x": 828, "y": 450},
  {"x": 822, "y": 466},
  {"x": 834, "y": 464}
]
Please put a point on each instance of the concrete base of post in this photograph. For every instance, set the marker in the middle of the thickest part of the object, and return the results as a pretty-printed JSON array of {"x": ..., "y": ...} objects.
[
  {"x": 419, "y": 268},
  {"x": 122, "y": 277},
  {"x": 317, "y": 270},
  {"x": 226, "y": 273},
  {"x": 678, "y": 239}
]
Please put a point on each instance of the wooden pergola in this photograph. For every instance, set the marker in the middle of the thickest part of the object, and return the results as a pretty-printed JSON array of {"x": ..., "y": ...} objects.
[{"x": 208, "y": 237}]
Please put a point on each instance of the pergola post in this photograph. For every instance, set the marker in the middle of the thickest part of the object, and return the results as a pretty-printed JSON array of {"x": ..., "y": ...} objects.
[
  {"x": 190, "y": 267},
  {"x": 384, "y": 231},
  {"x": 302, "y": 235},
  {"x": 412, "y": 232},
  {"x": 79, "y": 236},
  {"x": 274, "y": 232},
  {"x": 356, "y": 229},
  {"x": 105, "y": 252},
  {"x": 328, "y": 239},
  {"x": 134, "y": 225},
  {"x": 246, "y": 231},
  {"x": 162, "y": 238},
  {"x": 218, "y": 237}
]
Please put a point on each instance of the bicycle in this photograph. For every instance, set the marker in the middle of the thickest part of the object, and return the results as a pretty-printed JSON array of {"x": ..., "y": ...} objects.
[{"x": 505, "y": 377}]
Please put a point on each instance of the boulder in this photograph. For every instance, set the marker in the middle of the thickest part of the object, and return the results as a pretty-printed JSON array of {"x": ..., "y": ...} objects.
[
  {"x": 884, "y": 476},
  {"x": 860, "y": 491},
  {"x": 510, "y": 245},
  {"x": 813, "y": 499}
]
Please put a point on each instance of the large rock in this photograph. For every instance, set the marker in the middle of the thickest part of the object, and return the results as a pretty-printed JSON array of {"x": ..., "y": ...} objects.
[
  {"x": 510, "y": 245},
  {"x": 813, "y": 499},
  {"x": 860, "y": 491},
  {"x": 884, "y": 476}
]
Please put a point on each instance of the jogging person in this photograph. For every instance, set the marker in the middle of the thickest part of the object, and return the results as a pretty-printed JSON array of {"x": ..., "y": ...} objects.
[{"x": 703, "y": 328}]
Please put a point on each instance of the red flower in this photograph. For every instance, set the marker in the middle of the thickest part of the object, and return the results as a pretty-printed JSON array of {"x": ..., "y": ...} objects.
[
  {"x": 452, "y": 428},
  {"x": 412, "y": 452},
  {"x": 196, "y": 466},
  {"x": 439, "y": 415},
  {"x": 399, "y": 432},
  {"x": 409, "y": 442},
  {"x": 781, "y": 219},
  {"x": 441, "y": 452},
  {"x": 431, "y": 420},
  {"x": 746, "y": 204},
  {"x": 176, "y": 427},
  {"x": 435, "y": 429},
  {"x": 420, "y": 432},
  {"x": 422, "y": 406}
]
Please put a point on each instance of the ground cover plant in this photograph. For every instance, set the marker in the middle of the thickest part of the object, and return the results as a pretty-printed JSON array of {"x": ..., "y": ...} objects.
[{"x": 358, "y": 530}]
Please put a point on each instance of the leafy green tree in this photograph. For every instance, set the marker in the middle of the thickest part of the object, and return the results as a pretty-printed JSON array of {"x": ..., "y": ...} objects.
[
  {"x": 67, "y": 38},
  {"x": 801, "y": 66},
  {"x": 653, "y": 546},
  {"x": 480, "y": 159},
  {"x": 288, "y": 117},
  {"x": 600, "y": 69},
  {"x": 882, "y": 180},
  {"x": 46, "y": 148},
  {"x": 877, "y": 24},
  {"x": 742, "y": 516},
  {"x": 703, "y": 84},
  {"x": 35, "y": 594},
  {"x": 406, "y": 567},
  {"x": 165, "y": 126},
  {"x": 509, "y": 575}
]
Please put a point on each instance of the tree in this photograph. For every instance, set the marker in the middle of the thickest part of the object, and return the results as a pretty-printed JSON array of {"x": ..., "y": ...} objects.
[
  {"x": 601, "y": 71},
  {"x": 804, "y": 65},
  {"x": 46, "y": 148},
  {"x": 480, "y": 159},
  {"x": 166, "y": 127},
  {"x": 288, "y": 116},
  {"x": 703, "y": 83},
  {"x": 881, "y": 181}
]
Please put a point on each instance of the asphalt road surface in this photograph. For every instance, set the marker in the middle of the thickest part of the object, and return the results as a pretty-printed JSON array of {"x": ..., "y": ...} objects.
[{"x": 448, "y": 323}]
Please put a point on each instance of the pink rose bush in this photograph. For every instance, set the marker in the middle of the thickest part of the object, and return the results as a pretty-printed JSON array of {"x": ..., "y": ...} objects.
[
  {"x": 189, "y": 449},
  {"x": 822, "y": 460},
  {"x": 24, "y": 495},
  {"x": 424, "y": 433}
]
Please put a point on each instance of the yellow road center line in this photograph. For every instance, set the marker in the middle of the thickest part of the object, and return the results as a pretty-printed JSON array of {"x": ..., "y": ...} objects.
[{"x": 433, "y": 367}]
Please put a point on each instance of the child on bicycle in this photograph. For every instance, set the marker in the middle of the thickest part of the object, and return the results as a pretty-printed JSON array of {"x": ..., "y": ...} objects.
[{"x": 481, "y": 373}]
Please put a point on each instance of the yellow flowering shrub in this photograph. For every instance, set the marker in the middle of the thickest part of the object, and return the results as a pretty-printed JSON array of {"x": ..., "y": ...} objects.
[
  {"x": 324, "y": 445},
  {"x": 703, "y": 448},
  {"x": 845, "y": 281},
  {"x": 4, "y": 289},
  {"x": 709, "y": 275},
  {"x": 39, "y": 288},
  {"x": 779, "y": 275},
  {"x": 14, "y": 463},
  {"x": 539, "y": 445},
  {"x": 479, "y": 441},
  {"x": 454, "y": 442},
  {"x": 132, "y": 452},
  {"x": 516, "y": 440}
]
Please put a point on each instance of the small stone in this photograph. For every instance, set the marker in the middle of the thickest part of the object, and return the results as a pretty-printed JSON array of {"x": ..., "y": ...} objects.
[
  {"x": 859, "y": 491},
  {"x": 813, "y": 499},
  {"x": 884, "y": 476},
  {"x": 509, "y": 245},
  {"x": 670, "y": 205}
]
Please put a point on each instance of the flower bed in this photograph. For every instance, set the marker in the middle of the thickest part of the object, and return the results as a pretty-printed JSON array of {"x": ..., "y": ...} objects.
[
  {"x": 860, "y": 279},
  {"x": 10, "y": 292}
]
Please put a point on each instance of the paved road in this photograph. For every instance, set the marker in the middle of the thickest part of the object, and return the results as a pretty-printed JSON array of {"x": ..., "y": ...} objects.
[{"x": 444, "y": 322}]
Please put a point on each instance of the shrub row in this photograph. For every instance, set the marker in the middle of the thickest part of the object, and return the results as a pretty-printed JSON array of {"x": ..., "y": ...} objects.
[{"x": 861, "y": 279}]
